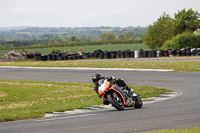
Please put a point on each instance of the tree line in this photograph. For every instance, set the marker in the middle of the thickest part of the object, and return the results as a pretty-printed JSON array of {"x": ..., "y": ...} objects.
[
  {"x": 49, "y": 36},
  {"x": 182, "y": 31}
]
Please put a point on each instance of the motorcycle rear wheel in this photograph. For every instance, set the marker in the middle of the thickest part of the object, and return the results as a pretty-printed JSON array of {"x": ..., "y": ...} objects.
[{"x": 115, "y": 103}]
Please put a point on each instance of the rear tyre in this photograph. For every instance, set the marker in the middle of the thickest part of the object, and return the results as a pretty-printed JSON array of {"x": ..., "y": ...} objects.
[
  {"x": 138, "y": 103},
  {"x": 116, "y": 100}
]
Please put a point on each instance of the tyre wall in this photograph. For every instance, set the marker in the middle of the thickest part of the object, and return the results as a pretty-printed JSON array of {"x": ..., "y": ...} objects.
[{"x": 100, "y": 54}]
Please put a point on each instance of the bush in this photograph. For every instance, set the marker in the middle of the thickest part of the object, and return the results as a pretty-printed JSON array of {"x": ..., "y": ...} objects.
[
  {"x": 55, "y": 51},
  {"x": 184, "y": 40}
]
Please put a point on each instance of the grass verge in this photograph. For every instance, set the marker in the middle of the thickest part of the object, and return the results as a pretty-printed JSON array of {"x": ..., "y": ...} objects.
[
  {"x": 21, "y": 100},
  {"x": 190, "y": 66},
  {"x": 185, "y": 130}
]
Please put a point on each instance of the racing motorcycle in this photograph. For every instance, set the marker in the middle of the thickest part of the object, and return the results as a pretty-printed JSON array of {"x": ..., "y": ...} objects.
[{"x": 117, "y": 96}]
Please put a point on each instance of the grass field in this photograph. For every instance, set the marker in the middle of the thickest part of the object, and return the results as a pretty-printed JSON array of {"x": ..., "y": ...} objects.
[
  {"x": 189, "y": 66},
  {"x": 3, "y": 52},
  {"x": 87, "y": 48},
  {"x": 32, "y": 99},
  {"x": 185, "y": 130}
]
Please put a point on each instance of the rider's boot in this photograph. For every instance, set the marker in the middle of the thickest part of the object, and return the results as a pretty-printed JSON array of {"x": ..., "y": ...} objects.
[
  {"x": 130, "y": 102},
  {"x": 130, "y": 91}
]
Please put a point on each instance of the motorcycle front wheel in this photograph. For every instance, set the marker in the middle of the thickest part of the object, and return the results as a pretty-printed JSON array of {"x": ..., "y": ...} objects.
[{"x": 116, "y": 100}]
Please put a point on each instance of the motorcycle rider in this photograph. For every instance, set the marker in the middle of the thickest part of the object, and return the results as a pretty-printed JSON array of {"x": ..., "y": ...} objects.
[{"x": 114, "y": 80}]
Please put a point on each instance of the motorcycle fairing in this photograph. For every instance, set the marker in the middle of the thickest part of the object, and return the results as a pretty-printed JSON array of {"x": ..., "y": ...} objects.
[
  {"x": 118, "y": 90},
  {"x": 103, "y": 87}
]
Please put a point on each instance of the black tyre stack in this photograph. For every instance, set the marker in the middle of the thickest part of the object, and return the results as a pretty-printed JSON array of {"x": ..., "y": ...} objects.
[
  {"x": 44, "y": 57},
  {"x": 140, "y": 53},
  {"x": 37, "y": 56},
  {"x": 145, "y": 54}
]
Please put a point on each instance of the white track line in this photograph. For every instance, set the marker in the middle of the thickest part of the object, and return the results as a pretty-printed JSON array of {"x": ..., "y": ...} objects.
[
  {"x": 85, "y": 68},
  {"x": 68, "y": 117},
  {"x": 162, "y": 97}
]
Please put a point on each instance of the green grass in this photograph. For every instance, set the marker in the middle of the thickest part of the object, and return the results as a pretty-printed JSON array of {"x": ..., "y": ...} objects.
[
  {"x": 190, "y": 66},
  {"x": 86, "y": 48},
  {"x": 185, "y": 130},
  {"x": 3, "y": 52},
  {"x": 21, "y": 100}
]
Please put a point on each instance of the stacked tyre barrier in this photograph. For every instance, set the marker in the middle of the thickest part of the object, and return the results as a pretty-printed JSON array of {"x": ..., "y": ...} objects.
[{"x": 99, "y": 54}]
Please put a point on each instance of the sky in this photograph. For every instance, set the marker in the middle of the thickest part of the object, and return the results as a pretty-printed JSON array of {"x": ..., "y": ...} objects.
[{"x": 88, "y": 13}]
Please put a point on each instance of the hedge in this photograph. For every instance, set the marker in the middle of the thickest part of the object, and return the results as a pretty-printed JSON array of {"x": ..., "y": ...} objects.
[{"x": 77, "y": 44}]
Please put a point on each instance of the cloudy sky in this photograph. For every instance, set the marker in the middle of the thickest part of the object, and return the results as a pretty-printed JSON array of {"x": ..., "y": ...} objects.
[{"x": 81, "y": 13}]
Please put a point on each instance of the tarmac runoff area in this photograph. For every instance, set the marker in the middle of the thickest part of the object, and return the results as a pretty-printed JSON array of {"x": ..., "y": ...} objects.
[{"x": 162, "y": 97}]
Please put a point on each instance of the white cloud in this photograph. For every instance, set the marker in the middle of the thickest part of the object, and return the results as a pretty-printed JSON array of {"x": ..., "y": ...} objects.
[
  {"x": 88, "y": 12},
  {"x": 20, "y": 10},
  {"x": 122, "y": 11}
]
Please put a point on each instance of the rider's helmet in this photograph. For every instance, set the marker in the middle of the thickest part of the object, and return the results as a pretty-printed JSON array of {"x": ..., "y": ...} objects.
[{"x": 96, "y": 78}]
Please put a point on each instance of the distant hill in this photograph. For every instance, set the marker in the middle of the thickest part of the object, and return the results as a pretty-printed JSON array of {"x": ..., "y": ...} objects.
[
  {"x": 12, "y": 28},
  {"x": 30, "y": 33}
]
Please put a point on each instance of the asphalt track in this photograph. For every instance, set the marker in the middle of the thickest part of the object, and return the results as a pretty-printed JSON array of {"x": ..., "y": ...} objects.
[{"x": 179, "y": 112}]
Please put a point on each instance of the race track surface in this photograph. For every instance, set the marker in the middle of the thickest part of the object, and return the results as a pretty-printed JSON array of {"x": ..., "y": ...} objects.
[{"x": 179, "y": 112}]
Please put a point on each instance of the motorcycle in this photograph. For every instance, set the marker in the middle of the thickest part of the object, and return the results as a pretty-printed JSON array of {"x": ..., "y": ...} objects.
[{"x": 117, "y": 96}]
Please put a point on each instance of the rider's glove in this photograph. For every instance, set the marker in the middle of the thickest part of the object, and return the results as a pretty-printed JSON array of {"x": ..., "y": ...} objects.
[
  {"x": 109, "y": 78},
  {"x": 100, "y": 96}
]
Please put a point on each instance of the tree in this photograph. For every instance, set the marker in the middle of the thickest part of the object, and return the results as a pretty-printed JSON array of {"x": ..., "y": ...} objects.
[
  {"x": 129, "y": 35},
  {"x": 197, "y": 32},
  {"x": 84, "y": 38},
  {"x": 186, "y": 21},
  {"x": 184, "y": 40},
  {"x": 52, "y": 41},
  {"x": 120, "y": 37},
  {"x": 8, "y": 45},
  {"x": 159, "y": 32},
  {"x": 107, "y": 36},
  {"x": 73, "y": 38}
]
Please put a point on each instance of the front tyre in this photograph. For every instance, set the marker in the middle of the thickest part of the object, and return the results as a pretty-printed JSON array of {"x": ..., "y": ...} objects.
[
  {"x": 138, "y": 103},
  {"x": 116, "y": 100}
]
